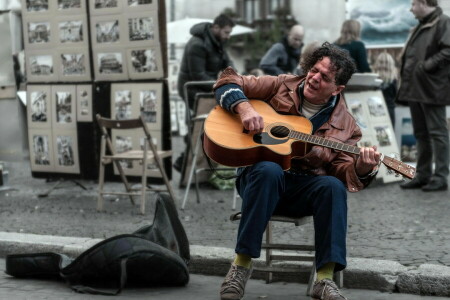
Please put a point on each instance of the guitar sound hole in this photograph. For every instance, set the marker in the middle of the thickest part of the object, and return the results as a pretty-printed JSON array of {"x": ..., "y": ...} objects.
[{"x": 280, "y": 131}]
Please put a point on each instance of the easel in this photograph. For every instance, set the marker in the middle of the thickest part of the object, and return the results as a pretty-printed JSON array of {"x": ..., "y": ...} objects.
[{"x": 58, "y": 182}]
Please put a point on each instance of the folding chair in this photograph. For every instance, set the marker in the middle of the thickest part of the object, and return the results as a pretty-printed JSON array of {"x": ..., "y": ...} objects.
[{"x": 149, "y": 155}]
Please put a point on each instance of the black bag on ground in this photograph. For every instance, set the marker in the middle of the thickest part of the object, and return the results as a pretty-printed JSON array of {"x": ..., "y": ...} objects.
[{"x": 154, "y": 255}]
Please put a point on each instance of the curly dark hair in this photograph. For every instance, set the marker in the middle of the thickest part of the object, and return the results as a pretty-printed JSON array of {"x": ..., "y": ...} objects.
[{"x": 341, "y": 62}]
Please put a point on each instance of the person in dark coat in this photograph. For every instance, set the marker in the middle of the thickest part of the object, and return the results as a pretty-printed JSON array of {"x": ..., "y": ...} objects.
[
  {"x": 204, "y": 55},
  {"x": 283, "y": 57},
  {"x": 204, "y": 58},
  {"x": 425, "y": 87},
  {"x": 349, "y": 40}
]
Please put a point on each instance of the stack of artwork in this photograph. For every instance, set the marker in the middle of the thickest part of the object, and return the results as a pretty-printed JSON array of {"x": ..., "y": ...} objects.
[
  {"x": 371, "y": 114},
  {"x": 53, "y": 112}
]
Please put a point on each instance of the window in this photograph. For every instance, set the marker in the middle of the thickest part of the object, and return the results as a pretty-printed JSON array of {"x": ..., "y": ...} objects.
[
  {"x": 275, "y": 5},
  {"x": 251, "y": 10}
]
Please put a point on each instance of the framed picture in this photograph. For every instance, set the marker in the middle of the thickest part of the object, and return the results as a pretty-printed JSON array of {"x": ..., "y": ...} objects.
[
  {"x": 384, "y": 22},
  {"x": 71, "y": 7},
  {"x": 39, "y": 32},
  {"x": 39, "y": 108},
  {"x": 72, "y": 31},
  {"x": 84, "y": 103},
  {"x": 142, "y": 29},
  {"x": 149, "y": 97},
  {"x": 64, "y": 107},
  {"x": 41, "y": 150},
  {"x": 110, "y": 64},
  {"x": 40, "y": 66},
  {"x": 140, "y": 5},
  {"x": 124, "y": 105},
  {"x": 107, "y": 31},
  {"x": 145, "y": 62},
  {"x": 37, "y": 7},
  {"x": 73, "y": 64},
  {"x": 125, "y": 140},
  {"x": 105, "y": 7},
  {"x": 66, "y": 151}
]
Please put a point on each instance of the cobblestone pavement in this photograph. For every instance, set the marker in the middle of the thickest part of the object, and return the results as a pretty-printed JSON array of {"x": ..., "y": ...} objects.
[
  {"x": 385, "y": 222},
  {"x": 199, "y": 287}
]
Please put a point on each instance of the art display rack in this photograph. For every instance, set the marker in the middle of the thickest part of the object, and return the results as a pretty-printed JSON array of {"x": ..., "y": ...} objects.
[{"x": 85, "y": 57}]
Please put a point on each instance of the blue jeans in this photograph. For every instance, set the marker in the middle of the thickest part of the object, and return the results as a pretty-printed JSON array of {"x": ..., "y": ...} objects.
[{"x": 266, "y": 189}]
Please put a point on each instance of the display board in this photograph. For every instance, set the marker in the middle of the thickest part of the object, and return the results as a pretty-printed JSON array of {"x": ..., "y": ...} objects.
[
  {"x": 81, "y": 57},
  {"x": 370, "y": 112}
]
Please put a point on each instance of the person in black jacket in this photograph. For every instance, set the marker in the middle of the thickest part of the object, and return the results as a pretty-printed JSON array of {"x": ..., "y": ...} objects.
[
  {"x": 349, "y": 40},
  {"x": 204, "y": 56}
]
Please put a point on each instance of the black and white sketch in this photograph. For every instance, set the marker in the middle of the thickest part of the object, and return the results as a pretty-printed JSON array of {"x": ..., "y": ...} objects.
[
  {"x": 64, "y": 112},
  {"x": 139, "y": 2},
  {"x": 123, "y": 144},
  {"x": 73, "y": 64},
  {"x": 383, "y": 135},
  {"x": 122, "y": 100},
  {"x": 41, "y": 65},
  {"x": 39, "y": 32},
  {"x": 356, "y": 108},
  {"x": 376, "y": 106},
  {"x": 37, "y": 5},
  {"x": 144, "y": 61},
  {"x": 71, "y": 31},
  {"x": 69, "y": 4},
  {"x": 147, "y": 100},
  {"x": 65, "y": 152},
  {"x": 41, "y": 152},
  {"x": 98, "y": 4},
  {"x": 107, "y": 31},
  {"x": 110, "y": 63},
  {"x": 84, "y": 103},
  {"x": 39, "y": 106},
  {"x": 141, "y": 28}
]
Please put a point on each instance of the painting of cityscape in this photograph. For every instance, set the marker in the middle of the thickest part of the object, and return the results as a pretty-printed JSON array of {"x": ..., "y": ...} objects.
[
  {"x": 107, "y": 31},
  {"x": 36, "y": 5},
  {"x": 66, "y": 151},
  {"x": 38, "y": 32},
  {"x": 122, "y": 105},
  {"x": 71, "y": 31},
  {"x": 41, "y": 150},
  {"x": 145, "y": 63},
  {"x": 39, "y": 106},
  {"x": 40, "y": 65}
]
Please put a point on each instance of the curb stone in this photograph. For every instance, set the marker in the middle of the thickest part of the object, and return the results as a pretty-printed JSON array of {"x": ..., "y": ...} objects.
[{"x": 361, "y": 273}]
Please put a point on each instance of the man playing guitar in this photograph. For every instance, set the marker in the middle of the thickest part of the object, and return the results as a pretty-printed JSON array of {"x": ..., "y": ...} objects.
[{"x": 316, "y": 182}]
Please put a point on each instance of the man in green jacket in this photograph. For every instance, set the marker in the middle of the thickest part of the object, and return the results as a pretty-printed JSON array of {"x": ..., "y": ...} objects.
[{"x": 425, "y": 87}]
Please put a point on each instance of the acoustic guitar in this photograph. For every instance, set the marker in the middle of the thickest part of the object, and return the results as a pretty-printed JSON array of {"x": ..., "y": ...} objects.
[{"x": 284, "y": 137}]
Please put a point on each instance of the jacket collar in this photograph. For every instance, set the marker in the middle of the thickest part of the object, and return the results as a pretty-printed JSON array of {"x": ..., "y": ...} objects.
[{"x": 336, "y": 120}]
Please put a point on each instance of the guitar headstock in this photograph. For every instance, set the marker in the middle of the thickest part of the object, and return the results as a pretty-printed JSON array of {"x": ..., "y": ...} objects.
[{"x": 399, "y": 167}]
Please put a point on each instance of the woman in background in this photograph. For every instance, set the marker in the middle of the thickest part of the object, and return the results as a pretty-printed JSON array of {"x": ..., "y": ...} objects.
[
  {"x": 385, "y": 67},
  {"x": 349, "y": 40}
]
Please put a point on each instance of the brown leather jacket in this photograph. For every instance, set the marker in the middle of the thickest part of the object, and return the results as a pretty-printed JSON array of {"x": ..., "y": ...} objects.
[{"x": 281, "y": 93}]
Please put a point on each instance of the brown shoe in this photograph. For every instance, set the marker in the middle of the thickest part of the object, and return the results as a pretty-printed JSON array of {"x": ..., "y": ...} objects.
[
  {"x": 326, "y": 289},
  {"x": 233, "y": 286}
]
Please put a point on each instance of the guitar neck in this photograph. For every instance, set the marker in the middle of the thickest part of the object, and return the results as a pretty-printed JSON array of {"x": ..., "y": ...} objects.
[{"x": 316, "y": 140}]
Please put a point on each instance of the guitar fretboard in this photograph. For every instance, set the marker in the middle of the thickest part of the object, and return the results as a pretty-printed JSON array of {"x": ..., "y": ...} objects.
[{"x": 316, "y": 140}]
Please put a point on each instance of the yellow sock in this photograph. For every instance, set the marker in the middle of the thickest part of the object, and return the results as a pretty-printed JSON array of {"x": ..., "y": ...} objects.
[
  {"x": 326, "y": 271},
  {"x": 243, "y": 260}
]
